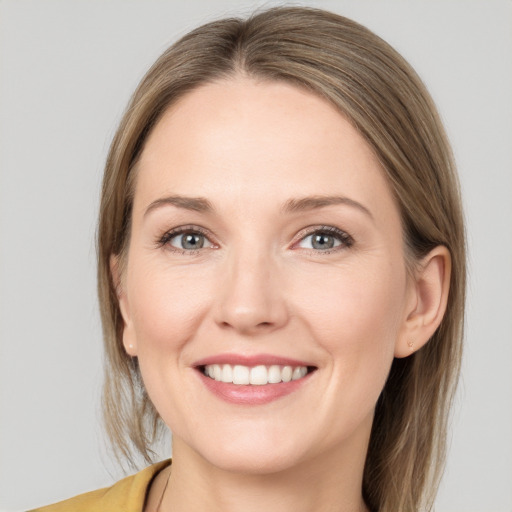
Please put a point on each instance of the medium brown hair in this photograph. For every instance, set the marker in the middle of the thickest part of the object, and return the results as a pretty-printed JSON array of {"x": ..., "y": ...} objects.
[{"x": 381, "y": 95}]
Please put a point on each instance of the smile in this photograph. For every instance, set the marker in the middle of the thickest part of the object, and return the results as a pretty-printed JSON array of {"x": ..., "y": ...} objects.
[
  {"x": 257, "y": 379},
  {"x": 260, "y": 375}
]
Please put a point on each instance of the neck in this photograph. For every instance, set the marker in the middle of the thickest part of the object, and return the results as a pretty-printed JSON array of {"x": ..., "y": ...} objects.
[{"x": 328, "y": 483}]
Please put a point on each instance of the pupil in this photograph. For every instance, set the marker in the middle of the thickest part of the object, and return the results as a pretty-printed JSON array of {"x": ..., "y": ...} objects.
[
  {"x": 322, "y": 241},
  {"x": 192, "y": 241}
]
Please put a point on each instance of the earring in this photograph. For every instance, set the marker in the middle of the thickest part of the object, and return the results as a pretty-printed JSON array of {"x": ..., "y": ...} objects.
[{"x": 410, "y": 343}]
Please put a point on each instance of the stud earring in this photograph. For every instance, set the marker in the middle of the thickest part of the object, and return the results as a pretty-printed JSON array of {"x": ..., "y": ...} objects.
[{"x": 410, "y": 343}]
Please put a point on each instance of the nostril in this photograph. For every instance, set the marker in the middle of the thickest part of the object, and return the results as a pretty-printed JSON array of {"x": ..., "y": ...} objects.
[{"x": 257, "y": 326}]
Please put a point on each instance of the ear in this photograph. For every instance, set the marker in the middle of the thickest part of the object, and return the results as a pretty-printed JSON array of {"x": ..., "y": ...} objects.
[
  {"x": 427, "y": 301},
  {"x": 129, "y": 339}
]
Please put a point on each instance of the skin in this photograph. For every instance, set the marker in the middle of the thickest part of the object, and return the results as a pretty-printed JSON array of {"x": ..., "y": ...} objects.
[{"x": 259, "y": 286}]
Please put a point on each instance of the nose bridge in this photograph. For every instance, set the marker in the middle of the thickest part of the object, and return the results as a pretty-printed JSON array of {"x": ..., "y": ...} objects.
[{"x": 251, "y": 299}]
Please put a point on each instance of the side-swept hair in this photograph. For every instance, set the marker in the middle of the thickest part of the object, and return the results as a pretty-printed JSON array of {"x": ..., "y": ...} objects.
[{"x": 381, "y": 95}]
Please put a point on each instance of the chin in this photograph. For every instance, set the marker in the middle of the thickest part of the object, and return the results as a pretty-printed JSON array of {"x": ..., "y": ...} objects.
[
  {"x": 254, "y": 454},
  {"x": 253, "y": 462}
]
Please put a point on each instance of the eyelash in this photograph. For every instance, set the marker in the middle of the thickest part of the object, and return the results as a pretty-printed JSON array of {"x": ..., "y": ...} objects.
[
  {"x": 191, "y": 229},
  {"x": 346, "y": 241}
]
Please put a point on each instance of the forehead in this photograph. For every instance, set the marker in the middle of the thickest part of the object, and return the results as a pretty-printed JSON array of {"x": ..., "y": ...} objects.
[{"x": 241, "y": 138}]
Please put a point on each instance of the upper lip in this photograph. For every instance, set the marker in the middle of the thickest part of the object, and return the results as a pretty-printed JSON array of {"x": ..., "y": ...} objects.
[{"x": 250, "y": 360}]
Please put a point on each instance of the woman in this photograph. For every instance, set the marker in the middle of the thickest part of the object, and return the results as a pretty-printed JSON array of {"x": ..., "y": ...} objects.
[{"x": 281, "y": 274}]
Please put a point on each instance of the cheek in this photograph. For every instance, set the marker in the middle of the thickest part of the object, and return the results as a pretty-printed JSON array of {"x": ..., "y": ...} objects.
[
  {"x": 355, "y": 318},
  {"x": 364, "y": 299},
  {"x": 167, "y": 305},
  {"x": 167, "y": 309},
  {"x": 355, "y": 315}
]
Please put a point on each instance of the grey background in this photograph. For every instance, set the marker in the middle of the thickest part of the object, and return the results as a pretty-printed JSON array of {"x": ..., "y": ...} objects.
[{"x": 67, "y": 69}]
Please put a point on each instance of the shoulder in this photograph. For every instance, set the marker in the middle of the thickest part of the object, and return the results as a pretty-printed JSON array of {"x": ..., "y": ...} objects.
[{"x": 127, "y": 495}]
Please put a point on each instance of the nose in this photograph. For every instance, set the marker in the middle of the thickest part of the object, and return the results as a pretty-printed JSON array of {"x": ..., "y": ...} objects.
[{"x": 251, "y": 298}]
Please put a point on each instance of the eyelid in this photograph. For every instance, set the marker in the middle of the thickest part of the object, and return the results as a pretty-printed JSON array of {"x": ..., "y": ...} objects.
[
  {"x": 345, "y": 239},
  {"x": 163, "y": 240}
]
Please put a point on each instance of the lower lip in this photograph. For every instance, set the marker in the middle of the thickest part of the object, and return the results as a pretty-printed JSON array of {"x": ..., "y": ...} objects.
[{"x": 250, "y": 394}]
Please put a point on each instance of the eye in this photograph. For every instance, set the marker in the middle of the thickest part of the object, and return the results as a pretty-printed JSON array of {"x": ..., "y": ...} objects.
[
  {"x": 325, "y": 239},
  {"x": 186, "y": 240},
  {"x": 189, "y": 241}
]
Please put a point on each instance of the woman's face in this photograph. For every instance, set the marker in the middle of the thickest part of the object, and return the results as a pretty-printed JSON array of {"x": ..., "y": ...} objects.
[{"x": 265, "y": 243}]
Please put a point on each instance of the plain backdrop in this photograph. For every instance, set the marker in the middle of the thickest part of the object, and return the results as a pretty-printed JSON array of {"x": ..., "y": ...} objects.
[{"x": 67, "y": 69}]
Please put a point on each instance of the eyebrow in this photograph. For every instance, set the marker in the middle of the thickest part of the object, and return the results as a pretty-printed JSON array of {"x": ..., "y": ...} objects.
[
  {"x": 197, "y": 204},
  {"x": 313, "y": 202},
  {"x": 201, "y": 204}
]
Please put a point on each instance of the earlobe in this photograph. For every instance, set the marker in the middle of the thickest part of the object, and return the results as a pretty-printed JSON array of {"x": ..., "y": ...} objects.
[
  {"x": 129, "y": 341},
  {"x": 431, "y": 284}
]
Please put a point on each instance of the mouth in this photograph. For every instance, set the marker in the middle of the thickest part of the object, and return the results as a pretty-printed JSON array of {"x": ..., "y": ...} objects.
[
  {"x": 252, "y": 380},
  {"x": 260, "y": 375}
]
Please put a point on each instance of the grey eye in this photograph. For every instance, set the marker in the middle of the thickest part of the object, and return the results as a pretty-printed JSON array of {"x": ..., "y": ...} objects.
[
  {"x": 190, "y": 241},
  {"x": 320, "y": 241}
]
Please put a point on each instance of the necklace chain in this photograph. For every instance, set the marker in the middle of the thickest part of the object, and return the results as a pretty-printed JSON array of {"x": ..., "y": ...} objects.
[{"x": 163, "y": 493}]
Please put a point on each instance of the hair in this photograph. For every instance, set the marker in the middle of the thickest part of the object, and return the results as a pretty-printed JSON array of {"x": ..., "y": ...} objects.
[{"x": 373, "y": 87}]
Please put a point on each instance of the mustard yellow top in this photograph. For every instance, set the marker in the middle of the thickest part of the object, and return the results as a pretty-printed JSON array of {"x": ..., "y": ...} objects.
[{"x": 127, "y": 495}]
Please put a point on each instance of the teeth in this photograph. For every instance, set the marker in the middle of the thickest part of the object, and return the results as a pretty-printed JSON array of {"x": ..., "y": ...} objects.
[
  {"x": 259, "y": 376},
  {"x": 274, "y": 374},
  {"x": 286, "y": 374},
  {"x": 240, "y": 374},
  {"x": 256, "y": 375},
  {"x": 227, "y": 373},
  {"x": 296, "y": 374}
]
